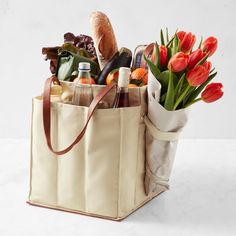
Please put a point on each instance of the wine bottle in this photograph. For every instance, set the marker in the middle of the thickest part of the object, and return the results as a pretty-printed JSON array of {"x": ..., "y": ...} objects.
[
  {"x": 83, "y": 94},
  {"x": 122, "y": 95}
]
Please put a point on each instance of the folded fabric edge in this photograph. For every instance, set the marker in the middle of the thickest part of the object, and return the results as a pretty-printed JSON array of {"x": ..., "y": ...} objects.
[{"x": 158, "y": 134}]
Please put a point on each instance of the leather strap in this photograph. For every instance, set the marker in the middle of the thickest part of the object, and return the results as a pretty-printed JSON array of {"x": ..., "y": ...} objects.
[
  {"x": 147, "y": 52},
  {"x": 47, "y": 113}
]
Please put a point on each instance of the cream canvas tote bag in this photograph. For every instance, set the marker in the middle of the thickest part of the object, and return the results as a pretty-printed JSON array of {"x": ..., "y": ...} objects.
[{"x": 99, "y": 173}]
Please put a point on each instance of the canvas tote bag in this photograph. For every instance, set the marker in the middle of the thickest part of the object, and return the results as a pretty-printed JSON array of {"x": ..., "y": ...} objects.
[{"x": 99, "y": 173}]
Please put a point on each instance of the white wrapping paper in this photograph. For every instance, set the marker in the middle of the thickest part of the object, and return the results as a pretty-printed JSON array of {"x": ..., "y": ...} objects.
[{"x": 163, "y": 129}]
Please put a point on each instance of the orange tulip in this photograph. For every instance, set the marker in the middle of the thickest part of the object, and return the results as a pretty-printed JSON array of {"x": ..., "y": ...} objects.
[
  {"x": 207, "y": 65},
  {"x": 212, "y": 92},
  {"x": 163, "y": 55},
  {"x": 178, "y": 62},
  {"x": 187, "y": 41},
  {"x": 197, "y": 75},
  {"x": 209, "y": 45},
  {"x": 195, "y": 57}
]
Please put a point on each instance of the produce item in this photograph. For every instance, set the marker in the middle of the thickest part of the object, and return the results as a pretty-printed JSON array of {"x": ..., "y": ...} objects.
[
  {"x": 83, "y": 94},
  {"x": 81, "y": 46},
  {"x": 68, "y": 64},
  {"x": 122, "y": 58},
  {"x": 112, "y": 77},
  {"x": 104, "y": 37},
  {"x": 81, "y": 42},
  {"x": 56, "y": 93},
  {"x": 51, "y": 53},
  {"x": 66, "y": 97},
  {"x": 139, "y": 77},
  {"x": 132, "y": 86},
  {"x": 122, "y": 95}
]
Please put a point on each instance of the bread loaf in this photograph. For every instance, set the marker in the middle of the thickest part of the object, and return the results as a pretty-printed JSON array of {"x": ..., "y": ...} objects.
[{"x": 104, "y": 37}]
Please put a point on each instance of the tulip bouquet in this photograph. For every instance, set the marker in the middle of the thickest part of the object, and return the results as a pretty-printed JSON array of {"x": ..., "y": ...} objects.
[
  {"x": 178, "y": 76},
  {"x": 184, "y": 73}
]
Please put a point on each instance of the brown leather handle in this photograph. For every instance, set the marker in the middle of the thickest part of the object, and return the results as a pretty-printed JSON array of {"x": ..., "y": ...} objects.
[{"x": 47, "y": 113}]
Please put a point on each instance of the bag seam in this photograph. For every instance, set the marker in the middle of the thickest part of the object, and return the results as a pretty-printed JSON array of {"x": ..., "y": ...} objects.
[
  {"x": 137, "y": 159},
  {"x": 31, "y": 151},
  {"x": 119, "y": 164}
]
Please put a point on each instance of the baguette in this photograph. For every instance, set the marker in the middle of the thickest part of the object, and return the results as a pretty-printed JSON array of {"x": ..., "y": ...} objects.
[{"x": 104, "y": 37}]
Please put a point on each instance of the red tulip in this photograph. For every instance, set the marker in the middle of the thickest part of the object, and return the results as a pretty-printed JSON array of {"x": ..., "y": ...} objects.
[
  {"x": 197, "y": 75},
  {"x": 209, "y": 45},
  {"x": 187, "y": 41},
  {"x": 178, "y": 62},
  {"x": 195, "y": 57},
  {"x": 207, "y": 65},
  {"x": 163, "y": 55},
  {"x": 212, "y": 92}
]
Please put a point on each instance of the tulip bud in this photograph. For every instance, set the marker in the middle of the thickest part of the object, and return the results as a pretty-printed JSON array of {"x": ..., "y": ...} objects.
[
  {"x": 209, "y": 45},
  {"x": 163, "y": 55},
  {"x": 207, "y": 65},
  {"x": 178, "y": 62},
  {"x": 187, "y": 41},
  {"x": 197, "y": 75},
  {"x": 195, "y": 57},
  {"x": 212, "y": 92}
]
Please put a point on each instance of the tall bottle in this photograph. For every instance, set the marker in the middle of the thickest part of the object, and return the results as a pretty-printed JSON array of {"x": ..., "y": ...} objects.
[
  {"x": 83, "y": 94},
  {"x": 122, "y": 95}
]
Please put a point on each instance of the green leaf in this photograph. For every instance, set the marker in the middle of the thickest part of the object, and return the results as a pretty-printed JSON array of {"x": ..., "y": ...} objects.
[
  {"x": 191, "y": 90},
  {"x": 167, "y": 35},
  {"x": 154, "y": 69},
  {"x": 181, "y": 97},
  {"x": 170, "y": 42},
  {"x": 157, "y": 62},
  {"x": 169, "y": 101},
  {"x": 162, "y": 38},
  {"x": 176, "y": 44},
  {"x": 197, "y": 91},
  {"x": 179, "y": 86},
  {"x": 200, "y": 44},
  {"x": 163, "y": 97},
  {"x": 212, "y": 70},
  {"x": 164, "y": 80}
]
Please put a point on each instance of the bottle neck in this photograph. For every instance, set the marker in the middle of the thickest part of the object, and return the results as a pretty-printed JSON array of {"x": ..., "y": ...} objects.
[
  {"x": 84, "y": 74},
  {"x": 123, "y": 90}
]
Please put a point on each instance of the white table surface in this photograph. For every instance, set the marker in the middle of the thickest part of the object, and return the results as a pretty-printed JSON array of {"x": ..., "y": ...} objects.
[{"x": 201, "y": 200}]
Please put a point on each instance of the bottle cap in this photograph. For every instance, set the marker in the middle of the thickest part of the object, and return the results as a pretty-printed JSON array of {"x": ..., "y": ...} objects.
[
  {"x": 84, "y": 66},
  {"x": 56, "y": 90},
  {"x": 124, "y": 74}
]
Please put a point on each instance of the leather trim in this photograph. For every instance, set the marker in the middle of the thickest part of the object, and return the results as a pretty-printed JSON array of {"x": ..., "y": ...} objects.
[{"x": 92, "y": 214}]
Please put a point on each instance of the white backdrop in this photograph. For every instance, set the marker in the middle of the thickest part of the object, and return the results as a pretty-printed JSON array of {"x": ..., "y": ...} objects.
[{"x": 26, "y": 26}]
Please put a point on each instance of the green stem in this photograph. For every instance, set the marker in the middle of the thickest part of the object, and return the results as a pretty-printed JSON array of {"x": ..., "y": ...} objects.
[
  {"x": 191, "y": 103},
  {"x": 181, "y": 97}
]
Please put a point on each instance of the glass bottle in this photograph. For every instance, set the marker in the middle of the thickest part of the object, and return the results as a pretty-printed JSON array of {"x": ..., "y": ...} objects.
[
  {"x": 83, "y": 94},
  {"x": 122, "y": 95}
]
